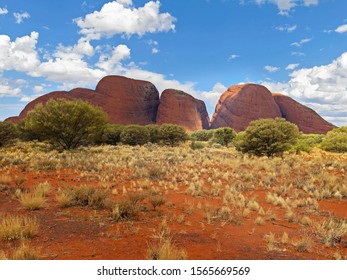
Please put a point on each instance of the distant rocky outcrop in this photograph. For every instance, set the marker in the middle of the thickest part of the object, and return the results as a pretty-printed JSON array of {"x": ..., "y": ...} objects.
[
  {"x": 129, "y": 101},
  {"x": 241, "y": 104},
  {"x": 180, "y": 108},
  {"x": 126, "y": 101},
  {"x": 305, "y": 118}
]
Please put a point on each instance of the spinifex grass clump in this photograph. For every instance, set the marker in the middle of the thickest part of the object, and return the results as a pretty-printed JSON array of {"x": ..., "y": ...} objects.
[
  {"x": 16, "y": 227},
  {"x": 32, "y": 201},
  {"x": 84, "y": 196},
  {"x": 25, "y": 252},
  {"x": 165, "y": 249},
  {"x": 331, "y": 231},
  {"x": 129, "y": 208}
]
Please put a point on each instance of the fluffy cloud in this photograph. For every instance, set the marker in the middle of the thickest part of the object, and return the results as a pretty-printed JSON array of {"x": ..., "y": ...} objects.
[
  {"x": 20, "y": 55},
  {"x": 121, "y": 17},
  {"x": 109, "y": 61},
  {"x": 3, "y": 11},
  {"x": 7, "y": 90},
  {"x": 271, "y": 69},
  {"x": 323, "y": 88},
  {"x": 341, "y": 29},
  {"x": 19, "y": 17},
  {"x": 9, "y": 87},
  {"x": 155, "y": 51},
  {"x": 292, "y": 66}
]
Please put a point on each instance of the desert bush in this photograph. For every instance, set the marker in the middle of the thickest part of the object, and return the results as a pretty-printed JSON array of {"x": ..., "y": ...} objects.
[
  {"x": 154, "y": 135},
  {"x": 66, "y": 124},
  {"x": 16, "y": 227},
  {"x": 171, "y": 134},
  {"x": 8, "y": 133},
  {"x": 223, "y": 136},
  {"x": 267, "y": 137},
  {"x": 307, "y": 142},
  {"x": 111, "y": 134},
  {"x": 201, "y": 135},
  {"x": 336, "y": 140},
  {"x": 196, "y": 145},
  {"x": 134, "y": 135}
]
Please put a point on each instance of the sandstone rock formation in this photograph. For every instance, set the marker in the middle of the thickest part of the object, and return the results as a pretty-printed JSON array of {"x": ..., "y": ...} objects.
[
  {"x": 178, "y": 107},
  {"x": 129, "y": 101},
  {"x": 126, "y": 101},
  {"x": 305, "y": 118},
  {"x": 241, "y": 104}
]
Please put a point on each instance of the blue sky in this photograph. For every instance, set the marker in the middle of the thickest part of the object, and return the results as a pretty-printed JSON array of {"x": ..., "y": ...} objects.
[{"x": 296, "y": 47}]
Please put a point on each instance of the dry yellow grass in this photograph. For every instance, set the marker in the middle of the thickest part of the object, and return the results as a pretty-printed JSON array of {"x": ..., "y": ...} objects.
[{"x": 18, "y": 227}]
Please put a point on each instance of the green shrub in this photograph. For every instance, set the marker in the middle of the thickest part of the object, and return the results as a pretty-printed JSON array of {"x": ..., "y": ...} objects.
[
  {"x": 8, "y": 133},
  {"x": 111, "y": 134},
  {"x": 171, "y": 134},
  {"x": 267, "y": 137},
  {"x": 336, "y": 140},
  {"x": 201, "y": 135},
  {"x": 64, "y": 123},
  {"x": 196, "y": 145},
  {"x": 134, "y": 135},
  {"x": 154, "y": 134},
  {"x": 307, "y": 142},
  {"x": 223, "y": 136}
]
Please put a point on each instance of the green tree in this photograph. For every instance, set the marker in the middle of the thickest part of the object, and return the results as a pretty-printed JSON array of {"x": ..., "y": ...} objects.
[
  {"x": 201, "y": 135},
  {"x": 111, "y": 134},
  {"x": 336, "y": 140},
  {"x": 66, "y": 124},
  {"x": 223, "y": 136},
  {"x": 171, "y": 134},
  {"x": 134, "y": 135},
  {"x": 154, "y": 135},
  {"x": 267, "y": 137},
  {"x": 307, "y": 142},
  {"x": 8, "y": 133}
]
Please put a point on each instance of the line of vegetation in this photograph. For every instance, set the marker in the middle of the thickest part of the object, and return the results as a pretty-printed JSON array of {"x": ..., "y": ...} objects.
[{"x": 67, "y": 124}]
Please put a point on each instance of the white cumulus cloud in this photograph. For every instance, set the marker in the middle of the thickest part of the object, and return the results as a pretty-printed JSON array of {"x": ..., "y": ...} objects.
[
  {"x": 323, "y": 88},
  {"x": 108, "y": 62},
  {"x": 121, "y": 17},
  {"x": 19, "y": 55}
]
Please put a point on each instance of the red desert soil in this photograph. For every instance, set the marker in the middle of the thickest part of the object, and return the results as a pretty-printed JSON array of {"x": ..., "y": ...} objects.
[{"x": 84, "y": 233}]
